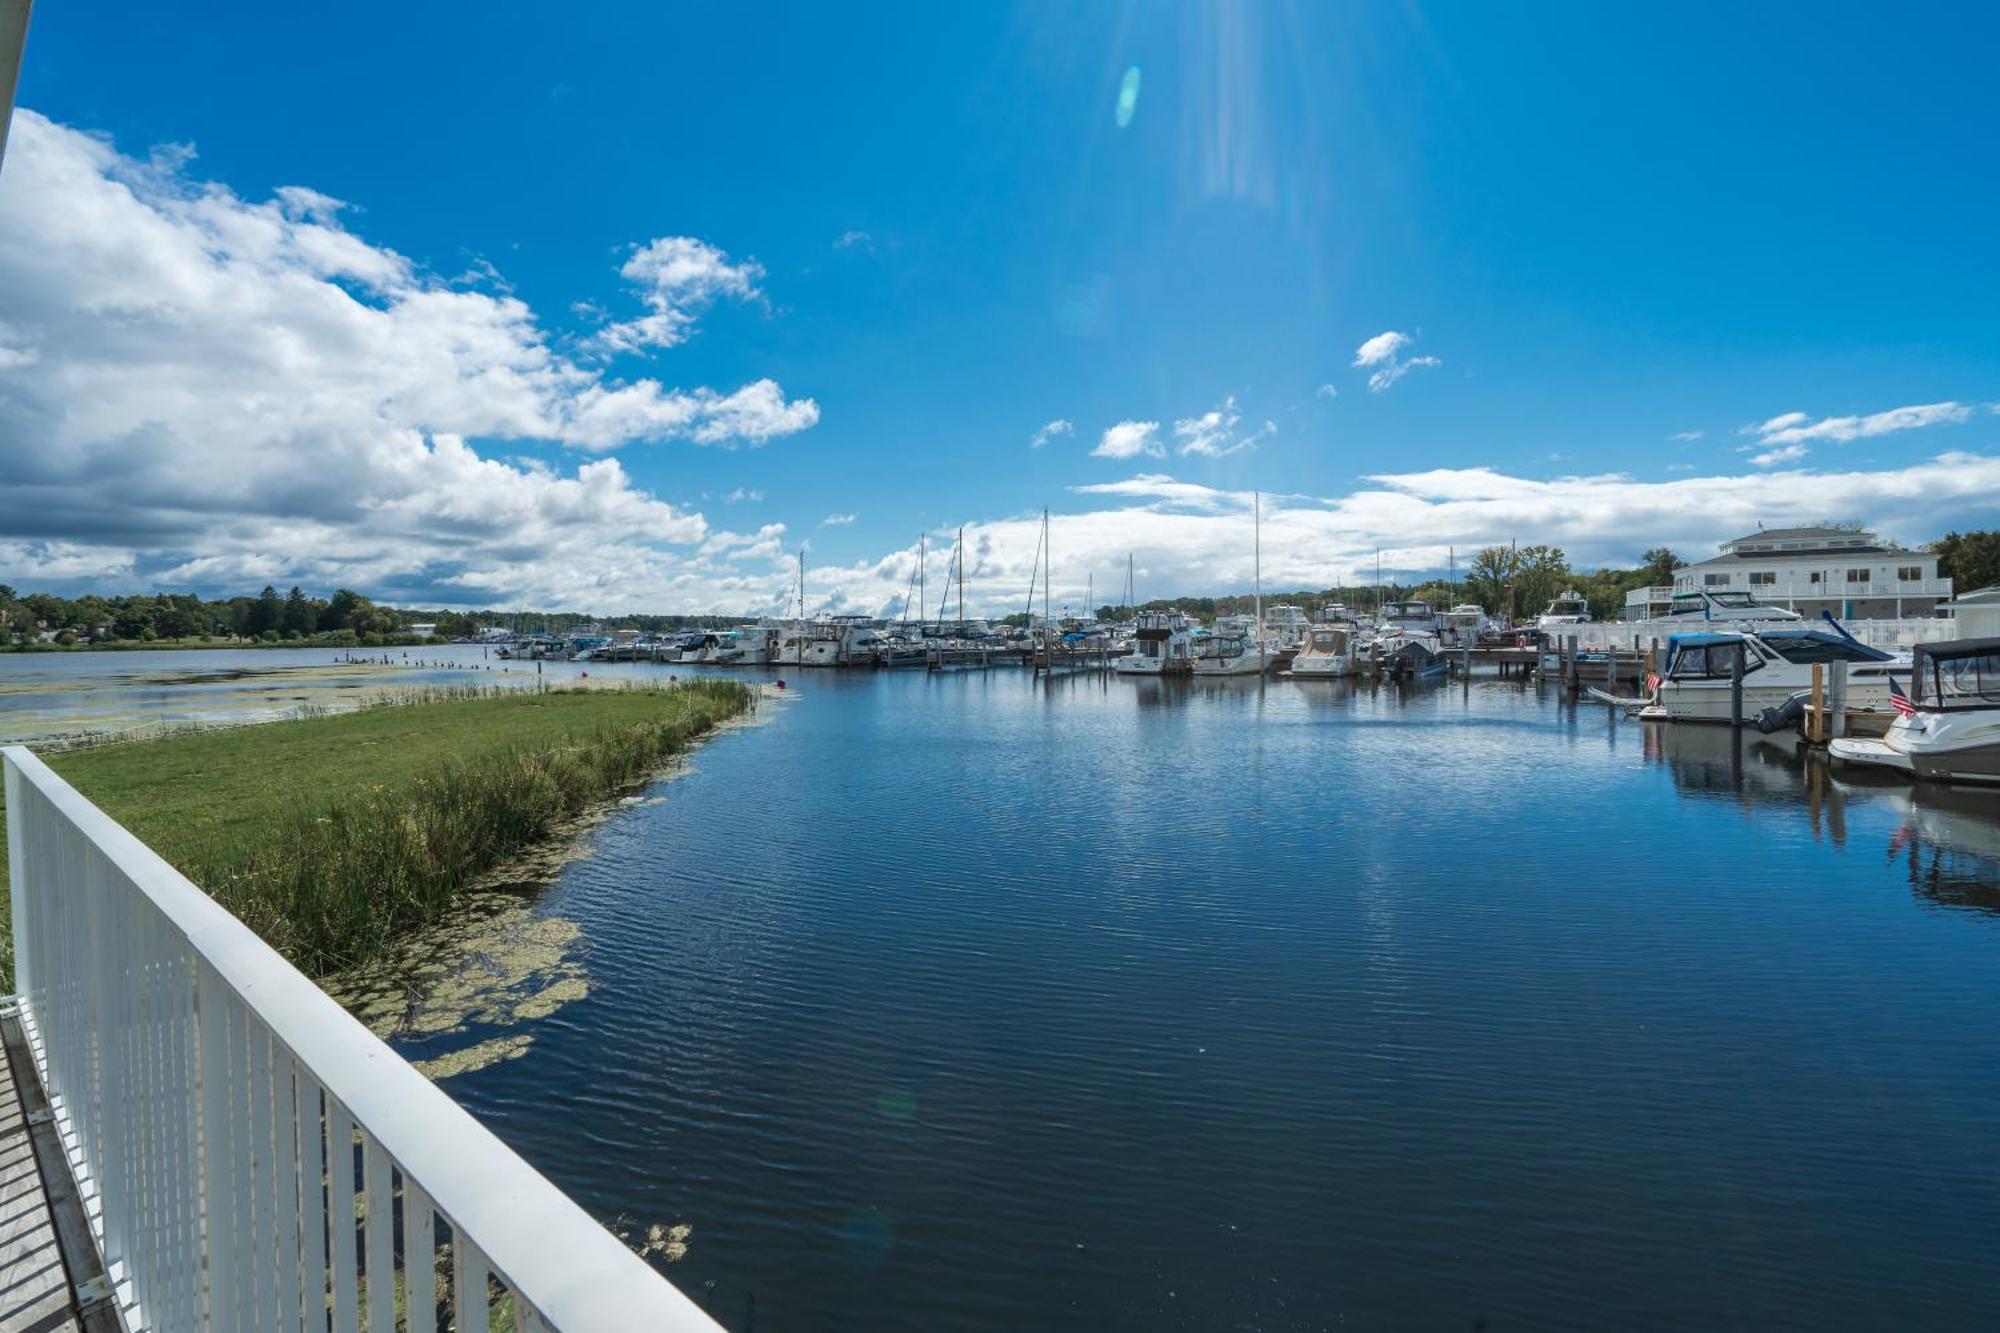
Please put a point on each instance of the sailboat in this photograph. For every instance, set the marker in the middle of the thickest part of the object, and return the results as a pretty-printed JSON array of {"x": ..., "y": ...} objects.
[{"x": 1241, "y": 654}]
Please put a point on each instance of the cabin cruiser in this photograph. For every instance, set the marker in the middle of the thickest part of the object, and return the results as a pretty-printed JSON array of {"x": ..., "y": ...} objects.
[
  {"x": 746, "y": 645},
  {"x": 1699, "y": 604},
  {"x": 1777, "y": 664},
  {"x": 1413, "y": 657},
  {"x": 1285, "y": 625},
  {"x": 1328, "y": 650},
  {"x": 1951, "y": 729},
  {"x": 1409, "y": 618},
  {"x": 1461, "y": 626},
  {"x": 1232, "y": 654},
  {"x": 1570, "y": 608},
  {"x": 1162, "y": 645}
]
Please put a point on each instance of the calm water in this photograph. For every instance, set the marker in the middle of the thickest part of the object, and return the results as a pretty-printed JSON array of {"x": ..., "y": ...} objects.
[{"x": 955, "y": 1003}]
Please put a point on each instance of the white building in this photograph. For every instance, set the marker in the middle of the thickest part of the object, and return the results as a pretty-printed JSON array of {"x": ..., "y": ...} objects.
[{"x": 1809, "y": 570}]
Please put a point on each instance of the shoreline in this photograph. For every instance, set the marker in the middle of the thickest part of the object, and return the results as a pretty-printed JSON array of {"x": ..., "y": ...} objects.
[{"x": 333, "y": 836}]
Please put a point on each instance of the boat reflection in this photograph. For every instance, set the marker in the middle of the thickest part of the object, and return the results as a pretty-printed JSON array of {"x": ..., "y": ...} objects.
[{"x": 1949, "y": 846}]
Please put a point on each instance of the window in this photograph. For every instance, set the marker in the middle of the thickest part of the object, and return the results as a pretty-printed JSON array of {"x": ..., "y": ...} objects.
[
  {"x": 1716, "y": 580},
  {"x": 1762, "y": 578},
  {"x": 1857, "y": 576},
  {"x": 1710, "y": 662},
  {"x": 1910, "y": 573},
  {"x": 1814, "y": 578}
]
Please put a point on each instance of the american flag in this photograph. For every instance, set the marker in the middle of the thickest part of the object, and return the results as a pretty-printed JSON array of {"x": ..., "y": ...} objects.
[{"x": 1899, "y": 700}]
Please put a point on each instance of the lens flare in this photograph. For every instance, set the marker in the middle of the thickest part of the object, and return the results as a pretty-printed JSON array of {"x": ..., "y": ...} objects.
[{"x": 1128, "y": 96}]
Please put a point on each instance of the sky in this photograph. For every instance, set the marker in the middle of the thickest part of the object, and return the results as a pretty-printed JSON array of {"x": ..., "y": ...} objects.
[{"x": 623, "y": 312}]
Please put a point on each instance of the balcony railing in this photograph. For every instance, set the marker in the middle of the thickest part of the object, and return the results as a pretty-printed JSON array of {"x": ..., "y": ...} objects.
[
  {"x": 1833, "y": 590},
  {"x": 250, "y": 1156}
]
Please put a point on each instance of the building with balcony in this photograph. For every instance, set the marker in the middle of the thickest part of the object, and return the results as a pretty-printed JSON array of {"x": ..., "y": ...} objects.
[{"x": 1853, "y": 574}]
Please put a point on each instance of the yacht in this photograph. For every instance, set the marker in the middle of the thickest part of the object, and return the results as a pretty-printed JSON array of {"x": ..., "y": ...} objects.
[
  {"x": 1570, "y": 608},
  {"x": 1328, "y": 650},
  {"x": 1702, "y": 605},
  {"x": 1777, "y": 664},
  {"x": 747, "y": 645},
  {"x": 1410, "y": 618},
  {"x": 1285, "y": 625},
  {"x": 1162, "y": 645},
  {"x": 1232, "y": 654},
  {"x": 1461, "y": 626},
  {"x": 1951, "y": 731}
]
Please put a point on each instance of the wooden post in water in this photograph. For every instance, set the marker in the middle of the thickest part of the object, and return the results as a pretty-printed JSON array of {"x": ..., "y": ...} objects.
[
  {"x": 1836, "y": 700},
  {"x": 1736, "y": 686}
]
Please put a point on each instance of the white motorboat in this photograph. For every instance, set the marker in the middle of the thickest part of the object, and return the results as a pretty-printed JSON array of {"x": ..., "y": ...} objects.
[
  {"x": 1570, "y": 608},
  {"x": 1699, "y": 604},
  {"x": 1777, "y": 664},
  {"x": 1410, "y": 618},
  {"x": 1949, "y": 728},
  {"x": 1162, "y": 645},
  {"x": 1233, "y": 655},
  {"x": 1461, "y": 626},
  {"x": 1328, "y": 650},
  {"x": 1285, "y": 625}
]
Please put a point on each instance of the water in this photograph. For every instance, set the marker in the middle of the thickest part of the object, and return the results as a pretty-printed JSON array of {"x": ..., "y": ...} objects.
[{"x": 955, "y": 1002}]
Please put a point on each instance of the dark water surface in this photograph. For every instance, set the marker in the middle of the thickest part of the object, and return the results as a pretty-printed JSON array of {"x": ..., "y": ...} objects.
[{"x": 957, "y": 1003}]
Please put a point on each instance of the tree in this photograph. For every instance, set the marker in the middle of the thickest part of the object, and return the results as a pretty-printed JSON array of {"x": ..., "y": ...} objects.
[
  {"x": 1490, "y": 576},
  {"x": 1970, "y": 560},
  {"x": 300, "y": 617},
  {"x": 267, "y": 613},
  {"x": 1660, "y": 564},
  {"x": 1543, "y": 572}
]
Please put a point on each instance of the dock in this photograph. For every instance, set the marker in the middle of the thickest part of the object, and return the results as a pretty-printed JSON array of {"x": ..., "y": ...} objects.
[{"x": 46, "y": 1256}]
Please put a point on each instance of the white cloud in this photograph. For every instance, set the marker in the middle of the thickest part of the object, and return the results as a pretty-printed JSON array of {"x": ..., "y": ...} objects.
[
  {"x": 1787, "y": 453},
  {"x": 1048, "y": 432},
  {"x": 1130, "y": 439},
  {"x": 1213, "y": 433},
  {"x": 1799, "y": 427},
  {"x": 1326, "y": 391},
  {"x": 223, "y": 389},
  {"x": 677, "y": 277},
  {"x": 740, "y": 494},
  {"x": 1382, "y": 355},
  {"x": 1685, "y": 436},
  {"x": 849, "y": 240},
  {"x": 837, "y": 520}
]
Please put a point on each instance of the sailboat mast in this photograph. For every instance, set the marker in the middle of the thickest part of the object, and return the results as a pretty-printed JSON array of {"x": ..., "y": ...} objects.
[
  {"x": 1257, "y": 564},
  {"x": 961, "y": 582},
  {"x": 920, "y": 582},
  {"x": 1048, "y": 624}
]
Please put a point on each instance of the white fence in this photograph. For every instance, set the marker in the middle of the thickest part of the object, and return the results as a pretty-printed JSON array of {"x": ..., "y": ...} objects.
[
  {"x": 1886, "y": 634},
  {"x": 250, "y": 1156}
]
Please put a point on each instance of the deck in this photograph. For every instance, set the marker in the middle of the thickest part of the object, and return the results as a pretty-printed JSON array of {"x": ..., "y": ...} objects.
[{"x": 35, "y": 1282}]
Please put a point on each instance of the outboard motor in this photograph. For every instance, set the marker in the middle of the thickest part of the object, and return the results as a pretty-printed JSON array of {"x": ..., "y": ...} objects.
[{"x": 1784, "y": 716}]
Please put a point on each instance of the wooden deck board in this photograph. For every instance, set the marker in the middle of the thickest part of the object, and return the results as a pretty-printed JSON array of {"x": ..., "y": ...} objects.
[{"x": 34, "y": 1285}]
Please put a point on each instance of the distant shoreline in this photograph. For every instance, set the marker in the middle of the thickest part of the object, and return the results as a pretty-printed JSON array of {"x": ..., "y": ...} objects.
[{"x": 215, "y": 644}]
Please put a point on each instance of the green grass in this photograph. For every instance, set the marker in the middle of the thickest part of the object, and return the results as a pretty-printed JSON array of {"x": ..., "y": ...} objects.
[{"x": 331, "y": 835}]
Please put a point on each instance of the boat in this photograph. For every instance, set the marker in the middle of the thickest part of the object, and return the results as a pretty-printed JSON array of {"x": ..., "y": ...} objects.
[
  {"x": 1568, "y": 608},
  {"x": 1700, "y": 604},
  {"x": 1285, "y": 626},
  {"x": 1232, "y": 655},
  {"x": 1463, "y": 626},
  {"x": 1949, "y": 728},
  {"x": 1410, "y": 618},
  {"x": 1162, "y": 645},
  {"x": 1777, "y": 664},
  {"x": 1328, "y": 650}
]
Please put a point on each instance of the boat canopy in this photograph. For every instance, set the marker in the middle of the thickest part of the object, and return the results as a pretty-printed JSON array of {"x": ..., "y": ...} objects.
[
  {"x": 1806, "y": 646},
  {"x": 1960, "y": 672}
]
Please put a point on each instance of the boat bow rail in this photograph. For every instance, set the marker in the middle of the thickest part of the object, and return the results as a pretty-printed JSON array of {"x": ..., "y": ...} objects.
[{"x": 249, "y": 1155}]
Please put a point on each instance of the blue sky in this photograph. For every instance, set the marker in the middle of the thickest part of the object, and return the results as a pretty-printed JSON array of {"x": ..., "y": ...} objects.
[{"x": 1606, "y": 229}]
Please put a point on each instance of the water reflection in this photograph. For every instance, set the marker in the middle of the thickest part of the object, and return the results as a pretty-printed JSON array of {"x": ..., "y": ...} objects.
[{"x": 1949, "y": 846}]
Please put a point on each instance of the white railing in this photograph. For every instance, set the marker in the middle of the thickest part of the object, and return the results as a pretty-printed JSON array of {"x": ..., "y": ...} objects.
[{"x": 250, "y": 1156}]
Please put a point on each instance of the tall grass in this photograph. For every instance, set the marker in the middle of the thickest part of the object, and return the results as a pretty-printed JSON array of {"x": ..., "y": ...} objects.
[{"x": 333, "y": 884}]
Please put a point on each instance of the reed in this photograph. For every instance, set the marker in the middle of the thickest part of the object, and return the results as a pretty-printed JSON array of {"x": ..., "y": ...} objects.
[{"x": 395, "y": 815}]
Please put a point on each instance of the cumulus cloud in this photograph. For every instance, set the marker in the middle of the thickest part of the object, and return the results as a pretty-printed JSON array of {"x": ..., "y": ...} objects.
[
  {"x": 853, "y": 239},
  {"x": 210, "y": 390},
  {"x": 1799, "y": 427},
  {"x": 1382, "y": 356},
  {"x": 677, "y": 277},
  {"x": 1050, "y": 432},
  {"x": 1130, "y": 439},
  {"x": 1213, "y": 434},
  {"x": 740, "y": 494}
]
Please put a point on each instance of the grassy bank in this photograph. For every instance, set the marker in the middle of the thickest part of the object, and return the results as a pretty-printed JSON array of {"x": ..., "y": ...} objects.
[{"x": 330, "y": 835}]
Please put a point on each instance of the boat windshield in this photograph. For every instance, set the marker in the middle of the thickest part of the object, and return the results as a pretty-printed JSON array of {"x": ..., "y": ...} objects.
[
  {"x": 1331, "y": 641},
  {"x": 1969, "y": 676},
  {"x": 1710, "y": 661}
]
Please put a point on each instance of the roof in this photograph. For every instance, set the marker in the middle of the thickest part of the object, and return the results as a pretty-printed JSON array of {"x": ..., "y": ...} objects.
[
  {"x": 1953, "y": 649},
  {"x": 1766, "y": 557},
  {"x": 1795, "y": 534}
]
